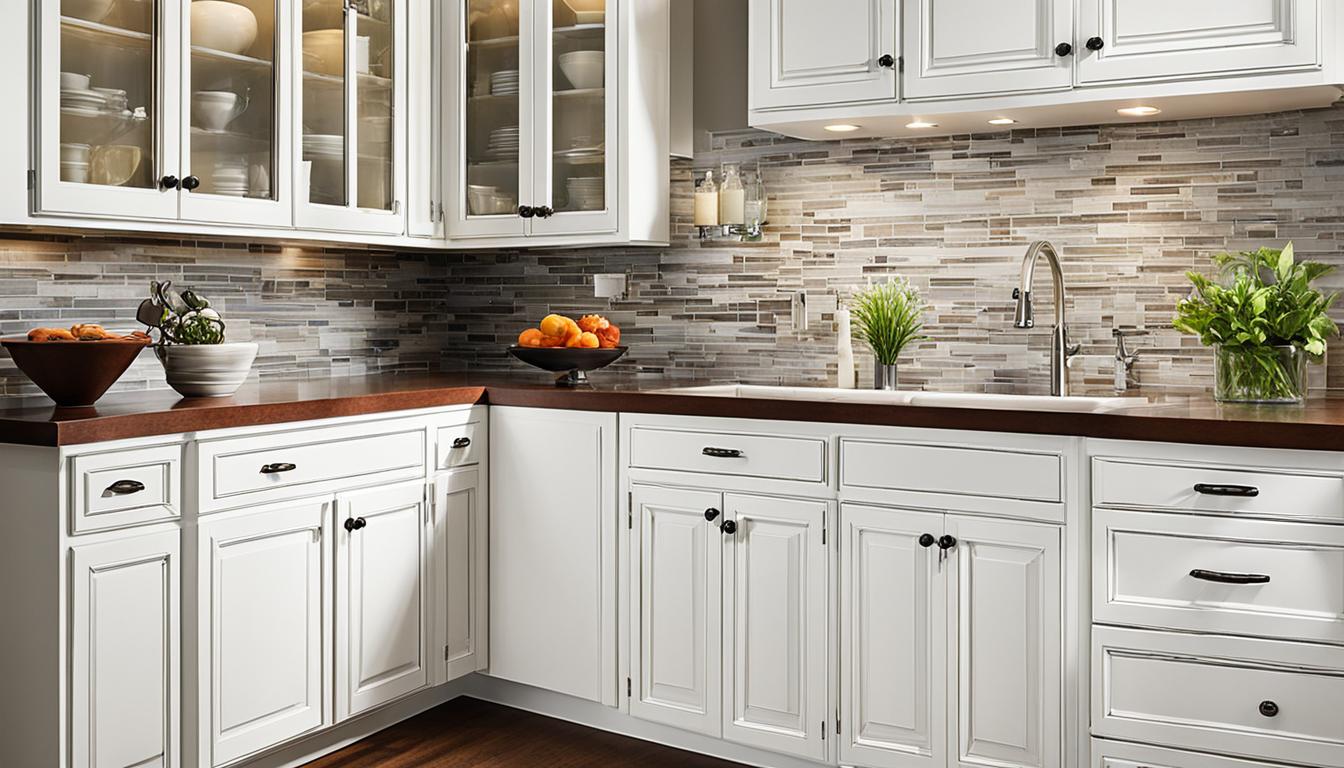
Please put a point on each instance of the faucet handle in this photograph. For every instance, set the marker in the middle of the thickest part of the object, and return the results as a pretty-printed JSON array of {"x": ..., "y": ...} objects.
[{"x": 1121, "y": 349}]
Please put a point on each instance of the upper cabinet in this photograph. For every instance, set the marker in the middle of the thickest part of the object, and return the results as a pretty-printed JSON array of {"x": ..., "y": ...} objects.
[
  {"x": 804, "y": 52},
  {"x": 556, "y": 118}
]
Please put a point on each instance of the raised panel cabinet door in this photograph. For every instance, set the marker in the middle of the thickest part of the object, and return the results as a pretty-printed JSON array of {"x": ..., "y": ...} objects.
[
  {"x": 264, "y": 627},
  {"x": 1005, "y": 643},
  {"x": 973, "y": 47},
  {"x": 893, "y": 649},
  {"x": 382, "y": 575},
  {"x": 675, "y": 567},
  {"x": 124, "y": 643},
  {"x": 460, "y": 594},
  {"x": 804, "y": 53},
  {"x": 776, "y": 615},
  {"x": 553, "y": 550},
  {"x": 1154, "y": 39}
]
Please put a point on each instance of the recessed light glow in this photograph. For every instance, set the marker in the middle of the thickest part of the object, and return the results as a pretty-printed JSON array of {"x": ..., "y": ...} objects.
[
  {"x": 921, "y": 124},
  {"x": 1003, "y": 121},
  {"x": 842, "y": 128},
  {"x": 1138, "y": 111}
]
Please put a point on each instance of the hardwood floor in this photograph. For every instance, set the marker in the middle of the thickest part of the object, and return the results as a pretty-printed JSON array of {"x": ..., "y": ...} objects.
[{"x": 470, "y": 732}]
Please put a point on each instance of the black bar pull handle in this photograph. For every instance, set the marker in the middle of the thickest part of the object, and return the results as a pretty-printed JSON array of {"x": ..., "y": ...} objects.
[
  {"x": 722, "y": 453},
  {"x": 126, "y": 487},
  {"x": 462, "y": 442},
  {"x": 277, "y": 468},
  {"x": 1223, "y": 489},
  {"x": 1221, "y": 577}
]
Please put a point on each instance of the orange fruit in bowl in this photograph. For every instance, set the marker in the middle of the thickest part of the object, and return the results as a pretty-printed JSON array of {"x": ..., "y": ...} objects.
[
  {"x": 558, "y": 325},
  {"x": 593, "y": 323},
  {"x": 530, "y": 338},
  {"x": 588, "y": 340}
]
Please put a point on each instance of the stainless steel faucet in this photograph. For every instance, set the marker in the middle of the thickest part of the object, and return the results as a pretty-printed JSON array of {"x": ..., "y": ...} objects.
[
  {"x": 1124, "y": 357},
  {"x": 1060, "y": 351}
]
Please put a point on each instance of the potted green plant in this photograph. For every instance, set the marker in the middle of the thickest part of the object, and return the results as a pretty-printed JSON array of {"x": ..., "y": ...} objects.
[
  {"x": 197, "y": 360},
  {"x": 1264, "y": 320},
  {"x": 888, "y": 317}
]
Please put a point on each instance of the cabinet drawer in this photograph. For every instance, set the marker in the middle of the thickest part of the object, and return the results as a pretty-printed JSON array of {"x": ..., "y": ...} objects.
[
  {"x": 121, "y": 488},
  {"x": 1205, "y": 574},
  {"x": 1254, "y": 698},
  {"x": 460, "y": 445},
  {"x": 1226, "y": 490},
  {"x": 944, "y": 469},
  {"x": 766, "y": 456},
  {"x": 315, "y": 460},
  {"x": 1119, "y": 754}
]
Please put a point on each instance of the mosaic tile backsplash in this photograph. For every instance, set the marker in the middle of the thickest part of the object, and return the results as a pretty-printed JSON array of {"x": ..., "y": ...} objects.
[{"x": 1132, "y": 207}]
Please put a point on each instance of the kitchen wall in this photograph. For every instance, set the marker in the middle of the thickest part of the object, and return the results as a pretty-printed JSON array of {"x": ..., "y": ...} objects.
[
  {"x": 314, "y": 312},
  {"x": 1133, "y": 207}
]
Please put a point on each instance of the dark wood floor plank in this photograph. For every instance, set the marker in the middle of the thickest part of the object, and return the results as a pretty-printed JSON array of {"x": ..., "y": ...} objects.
[{"x": 470, "y": 733}]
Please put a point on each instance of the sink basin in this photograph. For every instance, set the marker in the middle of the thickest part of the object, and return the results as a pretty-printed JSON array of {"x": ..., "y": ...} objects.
[{"x": 935, "y": 399}]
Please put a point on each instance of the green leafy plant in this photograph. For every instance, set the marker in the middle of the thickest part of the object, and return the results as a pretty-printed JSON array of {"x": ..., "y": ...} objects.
[
  {"x": 181, "y": 318},
  {"x": 888, "y": 317},
  {"x": 1264, "y": 302}
]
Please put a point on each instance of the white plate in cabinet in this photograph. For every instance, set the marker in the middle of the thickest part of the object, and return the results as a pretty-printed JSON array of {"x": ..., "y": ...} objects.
[
  {"x": 1120, "y": 754},
  {"x": 460, "y": 445},
  {"x": 717, "y": 453},
  {"x": 1262, "y": 699},
  {"x": 1203, "y": 574},
  {"x": 123, "y": 488},
  {"x": 1217, "y": 490}
]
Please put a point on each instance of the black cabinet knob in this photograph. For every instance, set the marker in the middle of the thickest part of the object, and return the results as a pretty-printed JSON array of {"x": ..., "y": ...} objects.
[
  {"x": 544, "y": 211},
  {"x": 886, "y": 60},
  {"x": 349, "y": 524},
  {"x": 1269, "y": 708},
  {"x": 947, "y": 541},
  {"x": 168, "y": 182},
  {"x": 711, "y": 513},
  {"x": 190, "y": 183},
  {"x": 1095, "y": 44},
  {"x": 526, "y": 211},
  {"x": 1064, "y": 49},
  {"x": 462, "y": 442},
  {"x": 729, "y": 527},
  {"x": 926, "y": 540}
]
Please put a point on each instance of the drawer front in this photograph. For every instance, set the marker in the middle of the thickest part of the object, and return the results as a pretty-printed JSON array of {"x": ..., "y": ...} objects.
[
  {"x": 765, "y": 456},
  {"x": 1252, "y": 698},
  {"x": 460, "y": 445},
  {"x": 1119, "y": 754},
  {"x": 1225, "y": 490},
  {"x": 950, "y": 470},
  {"x": 1205, "y": 574},
  {"x": 122, "y": 488},
  {"x": 272, "y": 467}
]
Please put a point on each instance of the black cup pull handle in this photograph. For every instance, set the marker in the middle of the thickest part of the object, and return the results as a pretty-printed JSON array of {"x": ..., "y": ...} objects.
[
  {"x": 1222, "y": 489},
  {"x": 190, "y": 182},
  {"x": 527, "y": 211},
  {"x": 1269, "y": 708},
  {"x": 1222, "y": 577},
  {"x": 462, "y": 442},
  {"x": 277, "y": 468},
  {"x": 349, "y": 524},
  {"x": 721, "y": 453},
  {"x": 729, "y": 527},
  {"x": 126, "y": 487},
  {"x": 711, "y": 513},
  {"x": 926, "y": 540}
]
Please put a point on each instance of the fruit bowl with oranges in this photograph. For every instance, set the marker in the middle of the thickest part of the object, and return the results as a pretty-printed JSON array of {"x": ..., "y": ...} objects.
[{"x": 562, "y": 345}]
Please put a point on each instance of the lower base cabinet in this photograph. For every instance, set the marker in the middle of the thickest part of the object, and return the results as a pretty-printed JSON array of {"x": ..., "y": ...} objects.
[
  {"x": 461, "y": 598},
  {"x": 124, "y": 706}
]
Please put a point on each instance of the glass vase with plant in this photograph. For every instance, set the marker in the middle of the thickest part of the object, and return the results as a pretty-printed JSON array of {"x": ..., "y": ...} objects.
[
  {"x": 1264, "y": 320},
  {"x": 888, "y": 317},
  {"x": 197, "y": 359}
]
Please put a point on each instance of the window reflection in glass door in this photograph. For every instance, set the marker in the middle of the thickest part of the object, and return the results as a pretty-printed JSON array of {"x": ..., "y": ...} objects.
[{"x": 374, "y": 77}]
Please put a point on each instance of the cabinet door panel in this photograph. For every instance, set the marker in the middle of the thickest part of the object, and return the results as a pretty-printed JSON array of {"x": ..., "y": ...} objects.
[
  {"x": 965, "y": 47},
  {"x": 804, "y": 53},
  {"x": 1005, "y": 627},
  {"x": 263, "y": 628},
  {"x": 460, "y": 541},
  {"x": 382, "y": 572},
  {"x": 775, "y": 649},
  {"x": 1147, "y": 39},
  {"x": 893, "y": 651},
  {"x": 124, "y": 652},
  {"x": 676, "y": 562}
]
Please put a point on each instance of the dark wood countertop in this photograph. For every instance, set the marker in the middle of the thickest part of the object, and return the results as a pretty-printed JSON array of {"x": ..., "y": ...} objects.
[{"x": 1317, "y": 425}]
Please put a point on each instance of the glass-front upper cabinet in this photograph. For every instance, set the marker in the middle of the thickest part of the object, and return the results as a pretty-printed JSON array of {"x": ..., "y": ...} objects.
[{"x": 351, "y": 165}]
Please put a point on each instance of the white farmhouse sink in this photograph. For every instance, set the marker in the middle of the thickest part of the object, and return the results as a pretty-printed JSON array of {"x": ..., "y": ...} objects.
[{"x": 936, "y": 399}]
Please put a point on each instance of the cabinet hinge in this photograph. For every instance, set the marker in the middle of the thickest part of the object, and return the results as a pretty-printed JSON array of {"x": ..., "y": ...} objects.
[
  {"x": 32, "y": 179},
  {"x": 837, "y": 726},
  {"x": 446, "y": 653},
  {"x": 630, "y": 510},
  {"x": 628, "y": 688},
  {"x": 823, "y": 730}
]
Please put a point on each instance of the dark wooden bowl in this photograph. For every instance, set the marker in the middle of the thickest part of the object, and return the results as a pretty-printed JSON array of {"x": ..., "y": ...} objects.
[
  {"x": 73, "y": 373},
  {"x": 574, "y": 363}
]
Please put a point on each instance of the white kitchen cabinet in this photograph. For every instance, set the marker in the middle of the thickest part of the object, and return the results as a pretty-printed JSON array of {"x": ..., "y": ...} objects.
[
  {"x": 556, "y": 123},
  {"x": 972, "y": 47},
  {"x": 124, "y": 644},
  {"x": 893, "y": 646},
  {"x": 265, "y": 627},
  {"x": 461, "y": 597},
  {"x": 424, "y": 87},
  {"x": 553, "y": 550},
  {"x": 1125, "y": 40},
  {"x": 803, "y": 53},
  {"x": 382, "y": 577}
]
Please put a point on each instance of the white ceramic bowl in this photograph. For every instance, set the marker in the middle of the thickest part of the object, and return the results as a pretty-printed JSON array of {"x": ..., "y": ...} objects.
[
  {"x": 92, "y": 10},
  {"x": 74, "y": 81},
  {"x": 214, "y": 110},
  {"x": 583, "y": 69},
  {"x": 207, "y": 370},
  {"x": 324, "y": 51},
  {"x": 77, "y": 173},
  {"x": 72, "y": 152},
  {"x": 222, "y": 26}
]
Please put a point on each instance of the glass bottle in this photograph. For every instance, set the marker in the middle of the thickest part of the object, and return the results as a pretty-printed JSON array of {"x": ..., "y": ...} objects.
[
  {"x": 754, "y": 205},
  {"x": 732, "y": 197},
  {"x": 707, "y": 202}
]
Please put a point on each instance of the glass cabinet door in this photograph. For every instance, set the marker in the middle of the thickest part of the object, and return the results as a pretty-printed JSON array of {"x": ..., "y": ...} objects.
[
  {"x": 108, "y": 112},
  {"x": 351, "y": 162},
  {"x": 234, "y": 101}
]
